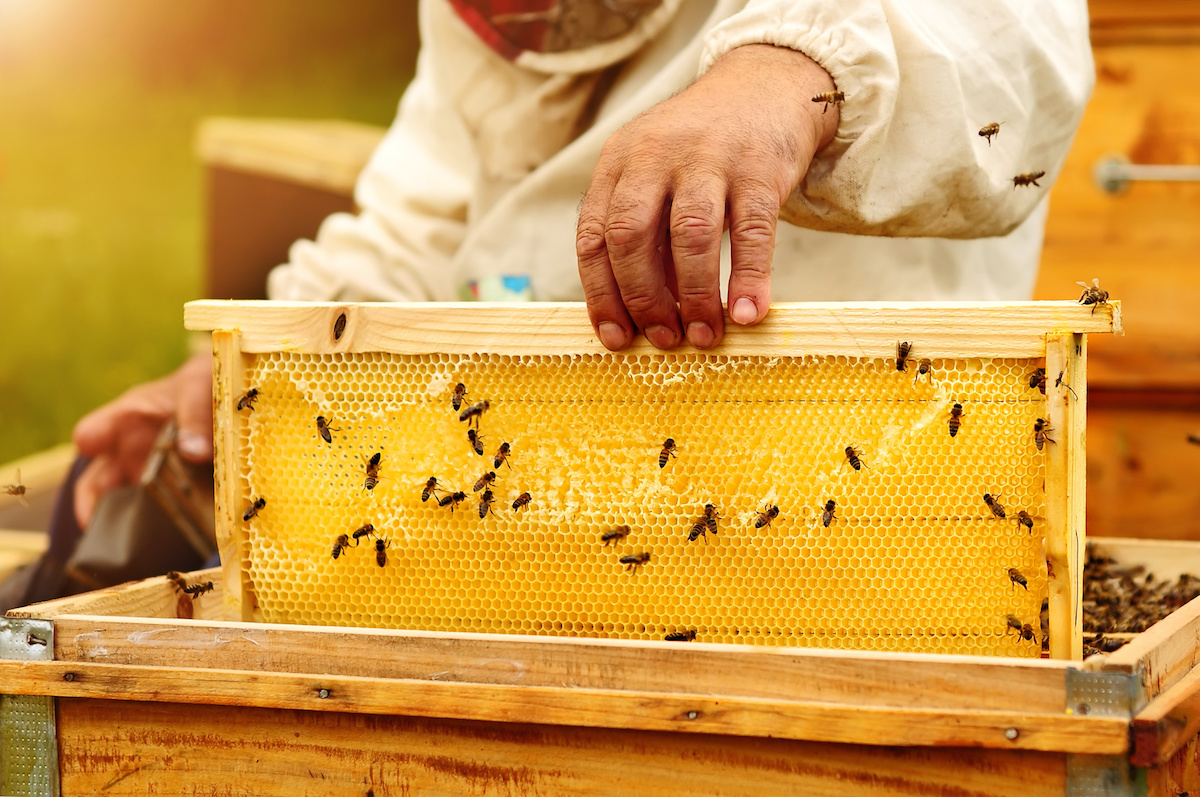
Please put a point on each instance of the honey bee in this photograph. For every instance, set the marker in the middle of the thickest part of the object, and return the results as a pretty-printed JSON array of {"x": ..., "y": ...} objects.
[
  {"x": 485, "y": 481},
  {"x": 956, "y": 414},
  {"x": 340, "y": 544},
  {"x": 1092, "y": 294},
  {"x": 452, "y": 500},
  {"x": 710, "y": 518},
  {"x": 460, "y": 392},
  {"x": 324, "y": 429},
  {"x": 381, "y": 546},
  {"x": 634, "y": 561},
  {"x": 830, "y": 98},
  {"x": 699, "y": 529},
  {"x": 1013, "y": 622},
  {"x": 485, "y": 503},
  {"x": 368, "y": 530},
  {"x": 1016, "y": 577},
  {"x": 472, "y": 413},
  {"x": 668, "y": 450},
  {"x": 903, "y": 349},
  {"x": 1041, "y": 429},
  {"x": 994, "y": 505},
  {"x": 854, "y": 457},
  {"x": 246, "y": 402},
  {"x": 431, "y": 488},
  {"x": 17, "y": 490},
  {"x": 176, "y": 578},
  {"x": 502, "y": 456},
  {"x": 827, "y": 516},
  {"x": 682, "y": 636},
  {"x": 372, "y": 469},
  {"x": 613, "y": 535},
  {"x": 196, "y": 590},
  {"x": 1038, "y": 379},
  {"x": 522, "y": 501},
  {"x": 254, "y": 508},
  {"x": 1024, "y": 519},
  {"x": 925, "y": 369},
  {"x": 476, "y": 441},
  {"x": 765, "y": 517},
  {"x": 989, "y": 130},
  {"x": 1028, "y": 179}
]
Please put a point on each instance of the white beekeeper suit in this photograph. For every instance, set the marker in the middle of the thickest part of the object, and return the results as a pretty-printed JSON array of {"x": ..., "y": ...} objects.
[{"x": 482, "y": 174}]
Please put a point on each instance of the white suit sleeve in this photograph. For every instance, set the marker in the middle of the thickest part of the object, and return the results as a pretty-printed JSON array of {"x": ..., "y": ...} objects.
[
  {"x": 413, "y": 196},
  {"x": 920, "y": 80}
]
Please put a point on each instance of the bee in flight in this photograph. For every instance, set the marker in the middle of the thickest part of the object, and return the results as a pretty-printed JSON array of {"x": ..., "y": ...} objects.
[
  {"x": 472, "y": 413},
  {"x": 668, "y": 450},
  {"x": 431, "y": 488},
  {"x": 522, "y": 501},
  {"x": 1028, "y": 179},
  {"x": 1038, "y": 379},
  {"x": 381, "y": 546},
  {"x": 989, "y": 130},
  {"x": 994, "y": 505},
  {"x": 460, "y": 392},
  {"x": 1092, "y": 294},
  {"x": 769, "y": 513},
  {"x": 485, "y": 503},
  {"x": 254, "y": 508},
  {"x": 1017, "y": 577},
  {"x": 367, "y": 530},
  {"x": 1024, "y": 519},
  {"x": 956, "y": 414},
  {"x": 324, "y": 429},
  {"x": 827, "y": 516},
  {"x": 925, "y": 369},
  {"x": 903, "y": 349},
  {"x": 502, "y": 456},
  {"x": 615, "y": 535},
  {"x": 476, "y": 441},
  {"x": 17, "y": 490},
  {"x": 634, "y": 561},
  {"x": 340, "y": 544},
  {"x": 485, "y": 480},
  {"x": 452, "y": 500},
  {"x": 246, "y": 402},
  {"x": 830, "y": 98},
  {"x": 682, "y": 636},
  {"x": 372, "y": 469},
  {"x": 1041, "y": 428},
  {"x": 854, "y": 457}
]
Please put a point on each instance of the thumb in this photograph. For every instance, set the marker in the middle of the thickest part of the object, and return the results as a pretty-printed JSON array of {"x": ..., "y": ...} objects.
[{"x": 194, "y": 409}]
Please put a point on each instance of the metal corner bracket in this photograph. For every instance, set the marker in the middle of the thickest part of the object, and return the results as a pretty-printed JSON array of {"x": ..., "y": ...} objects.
[
  {"x": 1105, "y": 694},
  {"x": 28, "y": 735}
]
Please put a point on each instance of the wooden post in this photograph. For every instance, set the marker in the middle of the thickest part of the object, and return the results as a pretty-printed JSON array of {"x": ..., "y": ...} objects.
[{"x": 1066, "y": 471}]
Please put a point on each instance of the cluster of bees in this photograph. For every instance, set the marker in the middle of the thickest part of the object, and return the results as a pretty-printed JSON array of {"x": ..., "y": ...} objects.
[
  {"x": 987, "y": 132},
  {"x": 1128, "y": 600}
]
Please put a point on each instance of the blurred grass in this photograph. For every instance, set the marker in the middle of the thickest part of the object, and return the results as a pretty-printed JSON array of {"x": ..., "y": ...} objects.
[{"x": 101, "y": 200}]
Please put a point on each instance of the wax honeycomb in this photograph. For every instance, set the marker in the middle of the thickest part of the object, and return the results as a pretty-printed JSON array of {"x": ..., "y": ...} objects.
[{"x": 914, "y": 560}]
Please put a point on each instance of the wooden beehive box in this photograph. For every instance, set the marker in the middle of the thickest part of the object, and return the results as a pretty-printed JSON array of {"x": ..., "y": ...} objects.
[{"x": 912, "y": 558}]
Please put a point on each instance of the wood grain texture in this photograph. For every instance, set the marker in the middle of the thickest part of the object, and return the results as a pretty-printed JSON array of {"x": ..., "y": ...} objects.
[
  {"x": 987, "y": 329},
  {"x": 151, "y": 597},
  {"x": 1164, "y": 654},
  {"x": 172, "y": 749},
  {"x": 593, "y": 708},
  {"x": 1166, "y": 559},
  {"x": 844, "y": 678},
  {"x": 1168, "y": 723},
  {"x": 1178, "y": 777}
]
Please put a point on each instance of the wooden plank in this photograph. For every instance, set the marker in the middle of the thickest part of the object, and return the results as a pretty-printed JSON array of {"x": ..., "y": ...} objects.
[
  {"x": 1168, "y": 723},
  {"x": 1178, "y": 777},
  {"x": 1163, "y": 654},
  {"x": 600, "y": 708},
  {"x": 869, "y": 329},
  {"x": 1066, "y": 355},
  {"x": 828, "y": 676},
  {"x": 173, "y": 749},
  {"x": 151, "y": 597},
  {"x": 1166, "y": 559}
]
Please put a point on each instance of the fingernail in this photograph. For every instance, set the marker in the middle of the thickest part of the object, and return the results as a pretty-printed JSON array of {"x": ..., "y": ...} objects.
[
  {"x": 700, "y": 334},
  {"x": 194, "y": 446},
  {"x": 662, "y": 337},
  {"x": 744, "y": 311},
  {"x": 612, "y": 336}
]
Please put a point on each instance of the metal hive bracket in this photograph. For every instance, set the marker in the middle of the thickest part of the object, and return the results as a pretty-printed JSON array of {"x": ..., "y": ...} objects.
[
  {"x": 28, "y": 736},
  {"x": 1109, "y": 694}
]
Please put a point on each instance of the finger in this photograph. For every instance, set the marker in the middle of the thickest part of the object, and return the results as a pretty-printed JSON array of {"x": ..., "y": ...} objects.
[
  {"x": 697, "y": 222},
  {"x": 607, "y": 312},
  {"x": 98, "y": 431},
  {"x": 101, "y": 475},
  {"x": 194, "y": 410},
  {"x": 632, "y": 237},
  {"x": 753, "y": 211}
]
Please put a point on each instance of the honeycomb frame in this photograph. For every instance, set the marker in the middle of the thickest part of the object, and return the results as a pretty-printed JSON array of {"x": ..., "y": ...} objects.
[{"x": 816, "y": 377}]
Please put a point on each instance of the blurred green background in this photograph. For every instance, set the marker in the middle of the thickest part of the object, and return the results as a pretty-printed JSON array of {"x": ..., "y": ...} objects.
[{"x": 101, "y": 197}]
